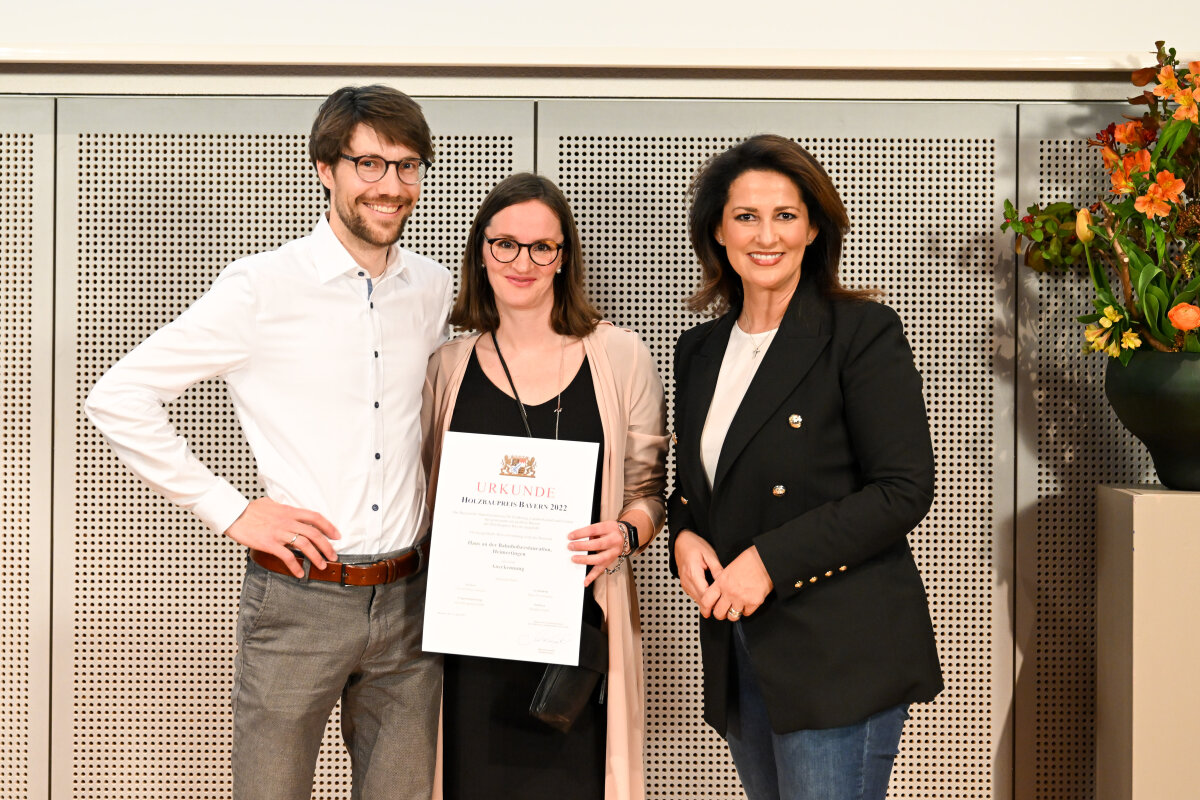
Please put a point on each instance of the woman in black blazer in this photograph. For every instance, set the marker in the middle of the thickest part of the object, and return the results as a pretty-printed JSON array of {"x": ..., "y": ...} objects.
[{"x": 803, "y": 460}]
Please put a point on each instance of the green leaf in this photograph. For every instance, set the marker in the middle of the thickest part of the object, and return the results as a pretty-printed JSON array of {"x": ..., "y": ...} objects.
[
  {"x": 1189, "y": 292},
  {"x": 1191, "y": 342},
  {"x": 1037, "y": 235},
  {"x": 1099, "y": 280},
  {"x": 1154, "y": 314},
  {"x": 1172, "y": 136},
  {"x": 1125, "y": 356},
  {"x": 1163, "y": 304},
  {"x": 1145, "y": 277}
]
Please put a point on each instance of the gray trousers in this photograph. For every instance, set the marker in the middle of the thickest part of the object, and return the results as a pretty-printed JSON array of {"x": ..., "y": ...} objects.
[{"x": 302, "y": 645}]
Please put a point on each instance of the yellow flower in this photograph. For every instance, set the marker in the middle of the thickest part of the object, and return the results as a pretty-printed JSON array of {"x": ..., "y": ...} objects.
[
  {"x": 1130, "y": 340},
  {"x": 1112, "y": 314},
  {"x": 1082, "y": 220},
  {"x": 1097, "y": 337},
  {"x": 1114, "y": 350}
]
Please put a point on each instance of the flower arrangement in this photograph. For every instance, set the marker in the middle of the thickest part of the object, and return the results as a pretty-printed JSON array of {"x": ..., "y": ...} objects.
[{"x": 1146, "y": 233}]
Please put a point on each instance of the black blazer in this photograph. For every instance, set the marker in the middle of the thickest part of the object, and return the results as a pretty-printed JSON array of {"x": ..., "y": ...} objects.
[{"x": 826, "y": 468}]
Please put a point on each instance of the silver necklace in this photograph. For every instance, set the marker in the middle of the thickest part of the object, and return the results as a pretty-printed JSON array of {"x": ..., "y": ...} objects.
[{"x": 756, "y": 344}]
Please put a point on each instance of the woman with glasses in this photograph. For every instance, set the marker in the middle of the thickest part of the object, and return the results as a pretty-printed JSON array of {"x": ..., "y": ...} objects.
[
  {"x": 803, "y": 460},
  {"x": 541, "y": 363}
]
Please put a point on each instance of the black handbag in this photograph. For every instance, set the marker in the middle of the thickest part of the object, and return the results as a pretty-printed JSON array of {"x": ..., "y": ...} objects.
[{"x": 565, "y": 690}]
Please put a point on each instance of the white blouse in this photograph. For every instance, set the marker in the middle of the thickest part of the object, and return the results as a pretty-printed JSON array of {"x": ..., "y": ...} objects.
[{"x": 743, "y": 354}]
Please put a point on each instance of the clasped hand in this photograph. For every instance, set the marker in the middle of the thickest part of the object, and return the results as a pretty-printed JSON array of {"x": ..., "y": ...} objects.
[{"x": 742, "y": 586}]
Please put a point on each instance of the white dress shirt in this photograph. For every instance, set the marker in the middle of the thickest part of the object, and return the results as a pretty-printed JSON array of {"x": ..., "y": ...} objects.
[{"x": 325, "y": 369}]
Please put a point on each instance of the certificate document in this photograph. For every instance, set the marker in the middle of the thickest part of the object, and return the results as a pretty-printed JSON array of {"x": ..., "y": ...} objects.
[{"x": 501, "y": 580}]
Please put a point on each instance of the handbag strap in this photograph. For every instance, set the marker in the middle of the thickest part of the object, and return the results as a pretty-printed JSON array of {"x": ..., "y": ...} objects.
[{"x": 513, "y": 386}]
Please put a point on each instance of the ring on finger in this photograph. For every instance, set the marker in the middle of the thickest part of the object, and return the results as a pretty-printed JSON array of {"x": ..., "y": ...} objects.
[
  {"x": 733, "y": 614},
  {"x": 293, "y": 540}
]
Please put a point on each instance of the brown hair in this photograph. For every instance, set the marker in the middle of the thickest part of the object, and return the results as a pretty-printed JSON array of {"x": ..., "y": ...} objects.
[
  {"x": 720, "y": 287},
  {"x": 392, "y": 114},
  {"x": 475, "y": 307}
]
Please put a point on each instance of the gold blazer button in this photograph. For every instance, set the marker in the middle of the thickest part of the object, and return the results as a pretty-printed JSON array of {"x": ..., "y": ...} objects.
[
  {"x": 829, "y": 574},
  {"x": 684, "y": 501},
  {"x": 799, "y": 584},
  {"x": 795, "y": 420},
  {"x": 779, "y": 491},
  {"x": 673, "y": 439},
  {"x": 842, "y": 568},
  {"x": 813, "y": 579}
]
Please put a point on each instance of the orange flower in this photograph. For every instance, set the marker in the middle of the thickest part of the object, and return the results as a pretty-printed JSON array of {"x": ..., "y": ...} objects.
[
  {"x": 1132, "y": 164},
  {"x": 1170, "y": 186},
  {"x": 1152, "y": 203},
  {"x": 1167, "y": 82},
  {"x": 1194, "y": 69},
  {"x": 1137, "y": 162},
  {"x": 1187, "y": 106},
  {"x": 1121, "y": 182},
  {"x": 1129, "y": 133},
  {"x": 1110, "y": 157},
  {"x": 1082, "y": 220},
  {"x": 1185, "y": 316}
]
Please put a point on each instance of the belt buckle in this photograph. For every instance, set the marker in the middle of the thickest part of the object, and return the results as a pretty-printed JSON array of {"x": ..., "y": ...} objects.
[
  {"x": 342, "y": 577},
  {"x": 391, "y": 568}
]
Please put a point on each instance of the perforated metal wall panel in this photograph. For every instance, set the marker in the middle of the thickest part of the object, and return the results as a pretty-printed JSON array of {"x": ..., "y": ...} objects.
[
  {"x": 923, "y": 184},
  {"x": 1070, "y": 442},
  {"x": 26, "y": 311},
  {"x": 155, "y": 197}
]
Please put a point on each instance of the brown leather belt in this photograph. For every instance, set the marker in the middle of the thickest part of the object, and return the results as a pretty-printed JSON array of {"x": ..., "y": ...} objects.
[{"x": 374, "y": 574}]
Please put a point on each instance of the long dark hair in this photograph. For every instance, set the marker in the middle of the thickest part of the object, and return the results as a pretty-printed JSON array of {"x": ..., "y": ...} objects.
[
  {"x": 720, "y": 287},
  {"x": 475, "y": 307}
]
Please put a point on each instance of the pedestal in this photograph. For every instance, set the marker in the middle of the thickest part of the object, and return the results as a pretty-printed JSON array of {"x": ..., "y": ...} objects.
[{"x": 1147, "y": 643}]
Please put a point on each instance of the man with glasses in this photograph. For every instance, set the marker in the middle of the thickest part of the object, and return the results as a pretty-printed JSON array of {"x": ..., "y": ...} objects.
[{"x": 323, "y": 345}]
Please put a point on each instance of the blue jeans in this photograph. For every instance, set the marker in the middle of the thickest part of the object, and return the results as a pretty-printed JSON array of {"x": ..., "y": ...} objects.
[{"x": 849, "y": 763}]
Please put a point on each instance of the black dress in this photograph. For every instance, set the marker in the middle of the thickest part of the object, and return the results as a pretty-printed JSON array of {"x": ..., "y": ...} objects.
[{"x": 492, "y": 748}]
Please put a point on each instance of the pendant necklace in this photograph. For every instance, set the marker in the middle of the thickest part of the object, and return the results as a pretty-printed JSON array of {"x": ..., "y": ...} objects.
[{"x": 521, "y": 406}]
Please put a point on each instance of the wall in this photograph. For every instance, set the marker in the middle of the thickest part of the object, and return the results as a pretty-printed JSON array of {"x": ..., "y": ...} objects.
[{"x": 1008, "y": 555}]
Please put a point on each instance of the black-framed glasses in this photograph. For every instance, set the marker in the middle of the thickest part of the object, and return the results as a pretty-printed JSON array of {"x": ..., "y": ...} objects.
[
  {"x": 372, "y": 168},
  {"x": 542, "y": 253}
]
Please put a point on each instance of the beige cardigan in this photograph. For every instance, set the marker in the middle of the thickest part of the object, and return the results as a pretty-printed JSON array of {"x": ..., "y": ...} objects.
[{"x": 629, "y": 394}]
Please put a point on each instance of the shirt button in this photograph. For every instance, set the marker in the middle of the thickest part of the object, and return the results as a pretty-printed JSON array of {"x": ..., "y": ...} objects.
[
  {"x": 372, "y": 305},
  {"x": 377, "y": 458},
  {"x": 374, "y": 507},
  {"x": 377, "y": 404},
  {"x": 377, "y": 354},
  {"x": 361, "y": 274}
]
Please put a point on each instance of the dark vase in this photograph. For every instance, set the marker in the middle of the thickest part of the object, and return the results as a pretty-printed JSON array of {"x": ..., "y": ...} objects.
[{"x": 1157, "y": 397}]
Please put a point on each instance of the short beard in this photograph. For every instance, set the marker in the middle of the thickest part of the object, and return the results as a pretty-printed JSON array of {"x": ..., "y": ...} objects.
[{"x": 359, "y": 227}]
